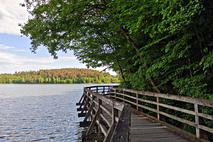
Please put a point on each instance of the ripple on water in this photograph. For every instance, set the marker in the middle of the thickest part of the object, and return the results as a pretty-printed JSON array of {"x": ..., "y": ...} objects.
[{"x": 42, "y": 116}]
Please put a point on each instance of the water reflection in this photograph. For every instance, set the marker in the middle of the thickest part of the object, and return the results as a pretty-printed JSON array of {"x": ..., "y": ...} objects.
[{"x": 44, "y": 113}]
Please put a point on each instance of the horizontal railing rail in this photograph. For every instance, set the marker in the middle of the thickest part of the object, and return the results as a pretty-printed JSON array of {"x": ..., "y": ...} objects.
[
  {"x": 101, "y": 89},
  {"x": 192, "y": 112},
  {"x": 109, "y": 117}
]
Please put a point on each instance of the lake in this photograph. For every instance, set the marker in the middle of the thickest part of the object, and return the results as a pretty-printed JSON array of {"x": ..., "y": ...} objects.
[{"x": 39, "y": 113}]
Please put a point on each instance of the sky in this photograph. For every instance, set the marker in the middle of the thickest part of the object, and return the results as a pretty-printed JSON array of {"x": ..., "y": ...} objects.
[{"x": 15, "y": 53}]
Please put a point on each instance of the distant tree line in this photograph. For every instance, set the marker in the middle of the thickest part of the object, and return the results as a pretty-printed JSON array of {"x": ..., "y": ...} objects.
[{"x": 59, "y": 76}]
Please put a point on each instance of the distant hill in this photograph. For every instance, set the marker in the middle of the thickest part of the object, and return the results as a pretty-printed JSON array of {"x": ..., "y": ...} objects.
[{"x": 60, "y": 76}]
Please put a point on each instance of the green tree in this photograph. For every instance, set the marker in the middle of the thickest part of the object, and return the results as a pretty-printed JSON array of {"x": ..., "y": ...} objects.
[{"x": 157, "y": 45}]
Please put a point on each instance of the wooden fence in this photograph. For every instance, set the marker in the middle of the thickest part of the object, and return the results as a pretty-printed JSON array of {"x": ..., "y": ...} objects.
[
  {"x": 192, "y": 114},
  {"x": 106, "y": 120}
]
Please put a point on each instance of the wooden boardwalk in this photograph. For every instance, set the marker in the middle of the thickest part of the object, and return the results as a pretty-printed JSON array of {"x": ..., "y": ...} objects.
[
  {"x": 117, "y": 115},
  {"x": 144, "y": 129}
]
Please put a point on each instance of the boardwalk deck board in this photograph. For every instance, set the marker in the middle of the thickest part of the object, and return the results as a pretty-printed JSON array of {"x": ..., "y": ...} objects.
[{"x": 145, "y": 130}]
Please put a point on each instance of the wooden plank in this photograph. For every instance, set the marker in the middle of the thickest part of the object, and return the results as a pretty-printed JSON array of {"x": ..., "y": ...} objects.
[
  {"x": 177, "y": 109},
  {"x": 99, "y": 109},
  {"x": 89, "y": 111},
  {"x": 92, "y": 137},
  {"x": 156, "y": 135},
  {"x": 166, "y": 106},
  {"x": 142, "y": 129},
  {"x": 179, "y": 119},
  {"x": 105, "y": 120},
  {"x": 184, "y": 99},
  {"x": 210, "y": 130},
  {"x": 93, "y": 122},
  {"x": 165, "y": 139},
  {"x": 103, "y": 130},
  {"x": 108, "y": 101},
  {"x": 137, "y": 102},
  {"x": 148, "y": 108},
  {"x": 112, "y": 126},
  {"x": 83, "y": 102},
  {"x": 210, "y": 117},
  {"x": 158, "y": 108},
  {"x": 144, "y": 125},
  {"x": 197, "y": 121},
  {"x": 122, "y": 94},
  {"x": 176, "y": 130},
  {"x": 150, "y": 131},
  {"x": 84, "y": 106},
  {"x": 133, "y": 103},
  {"x": 121, "y": 133},
  {"x": 169, "y": 96},
  {"x": 106, "y": 110}
]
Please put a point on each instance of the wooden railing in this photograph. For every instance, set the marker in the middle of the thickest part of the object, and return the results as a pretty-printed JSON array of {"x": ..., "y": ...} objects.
[
  {"x": 189, "y": 112},
  {"x": 103, "y": 90},
  {"x": 105, "y": 119}
]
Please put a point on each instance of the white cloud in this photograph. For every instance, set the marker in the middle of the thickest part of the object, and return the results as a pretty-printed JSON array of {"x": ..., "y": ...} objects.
[
  {"x": 5, "y": 47},
  {"x": 11, "y": 48},
  {"x": 12, "y": 14},
  {"x": 11, "y": 61}
]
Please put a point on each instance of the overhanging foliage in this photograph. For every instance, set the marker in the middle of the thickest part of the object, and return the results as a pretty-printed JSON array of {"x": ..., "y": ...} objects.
[{"x": 158, "y": 45}]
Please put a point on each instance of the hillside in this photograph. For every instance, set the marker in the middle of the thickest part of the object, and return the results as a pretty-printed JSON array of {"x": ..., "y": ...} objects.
[{"x": 67, "y": 75}]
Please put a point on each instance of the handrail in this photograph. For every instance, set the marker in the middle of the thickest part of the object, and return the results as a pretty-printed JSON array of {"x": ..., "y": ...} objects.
[
  {"x": 111, "y": 118},
  {"x": 101, "y": 89},
  {"x": 158, "y": 104}
]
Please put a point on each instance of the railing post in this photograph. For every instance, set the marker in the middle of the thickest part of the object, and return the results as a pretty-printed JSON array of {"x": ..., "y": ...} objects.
[
  {"x": 115, "y": 95},
  {"x": 82, "y": 97},
  {"x": 100, "y": 111},
  {"x": 137, "y": 101},
  {"x": 197, "y": 120},
  {"x": 158, "y": 108},
  {"x": 97, "y": 89},
  {"x": 123, "y": 95},
  {"x": 113, "y": 115},
  {"x": 103, "y": 90},
  {"x": 93, "y": 98},
  {"x": 122, "y": 130},
  {"x": 111, "y": 129}
]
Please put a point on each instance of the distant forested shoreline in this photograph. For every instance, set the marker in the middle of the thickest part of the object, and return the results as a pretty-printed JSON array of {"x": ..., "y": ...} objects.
[{"x": 58, "y": 76}]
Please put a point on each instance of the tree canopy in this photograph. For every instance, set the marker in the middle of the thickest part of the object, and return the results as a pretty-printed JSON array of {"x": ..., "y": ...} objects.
[{"x": 156, "y": 45}]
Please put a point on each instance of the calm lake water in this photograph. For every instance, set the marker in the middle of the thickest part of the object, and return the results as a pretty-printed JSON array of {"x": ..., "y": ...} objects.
[{"x": 39, "y": 113}]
